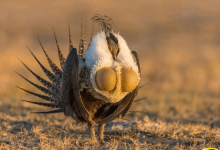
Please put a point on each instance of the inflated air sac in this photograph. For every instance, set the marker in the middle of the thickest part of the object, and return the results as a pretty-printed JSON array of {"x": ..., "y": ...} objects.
[
  {"x": 129, "y": 79},
  {"x": 106, "y": 79}
]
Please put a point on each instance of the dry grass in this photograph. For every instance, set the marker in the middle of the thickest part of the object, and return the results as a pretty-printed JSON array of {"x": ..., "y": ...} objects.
[
  {"x": 22, "y": 130},
  {"x": 178, "y": 44}
]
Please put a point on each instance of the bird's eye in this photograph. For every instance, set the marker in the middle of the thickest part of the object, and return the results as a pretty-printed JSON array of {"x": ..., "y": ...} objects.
[
  {"x": 106, "y": 79},
  {"x": 129, "y": 79}
]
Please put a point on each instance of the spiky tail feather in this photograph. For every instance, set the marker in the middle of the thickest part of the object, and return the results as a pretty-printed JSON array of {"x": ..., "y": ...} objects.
[
  {"x": 46, "y": 83},
  {"x": 60, "y": 55},
  {"x": 50, "y": 75},
  {"x": 137, "y": 100},
  {"x": 51, "y": 89},
  {"x": 47, "y": 98},
  {"x": 50, "y": 112},
  {"x": 44, "y": 90},
  {"x": 55, "y": 69},
  {"x": 51, "y": 105}
]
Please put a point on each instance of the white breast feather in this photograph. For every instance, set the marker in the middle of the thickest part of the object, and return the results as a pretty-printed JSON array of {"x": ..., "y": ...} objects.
[{"x": 98, "y": 56}]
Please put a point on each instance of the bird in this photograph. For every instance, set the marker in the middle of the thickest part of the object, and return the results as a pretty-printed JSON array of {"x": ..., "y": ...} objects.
[{"x": 93, "y": 85}]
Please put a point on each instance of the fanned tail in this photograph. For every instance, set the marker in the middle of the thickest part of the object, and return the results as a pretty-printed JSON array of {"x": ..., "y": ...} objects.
[
  {"x": 50, "y": 75},
  {"x": 55, "y": 69},
  {"x": 44, "y": 97},
  {"x": 44, "y": 90},
  {"x": 47, "y": 84},
  {"x": 51, "y": 89}
]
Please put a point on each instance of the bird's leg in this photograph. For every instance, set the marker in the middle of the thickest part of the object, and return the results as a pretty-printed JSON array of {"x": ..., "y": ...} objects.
[
  {"x": 92, "y": 131},
  {"x": 101, "y": 132}
]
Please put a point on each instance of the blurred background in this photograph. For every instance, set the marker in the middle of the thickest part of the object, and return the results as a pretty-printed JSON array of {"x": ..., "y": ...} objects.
[{"x": 178, "y": 44}]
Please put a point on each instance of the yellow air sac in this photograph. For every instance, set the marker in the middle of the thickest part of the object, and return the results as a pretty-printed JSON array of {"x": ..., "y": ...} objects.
[
  {"x": 129, "y": 79},
  {"x": 106, "y": 79}
]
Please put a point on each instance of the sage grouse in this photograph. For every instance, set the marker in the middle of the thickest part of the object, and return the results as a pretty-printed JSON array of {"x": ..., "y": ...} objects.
[{"x": 95, "y": 86}]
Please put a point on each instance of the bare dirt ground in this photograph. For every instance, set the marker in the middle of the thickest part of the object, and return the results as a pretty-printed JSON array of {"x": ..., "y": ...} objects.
[{"x": 179, "y": 47}]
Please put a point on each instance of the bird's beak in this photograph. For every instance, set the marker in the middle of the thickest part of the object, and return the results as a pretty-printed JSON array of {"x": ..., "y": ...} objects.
[{"x": 114, "y": 56}]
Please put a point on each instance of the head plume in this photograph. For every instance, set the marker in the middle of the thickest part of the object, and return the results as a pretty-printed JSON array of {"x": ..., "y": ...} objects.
[
  {"x": 104, "y": 21},
  {"x": 106, "y": 24}
]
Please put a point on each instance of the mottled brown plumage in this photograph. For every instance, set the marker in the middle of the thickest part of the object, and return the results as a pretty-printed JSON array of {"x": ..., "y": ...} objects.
[{"x": 70, "y": 91}]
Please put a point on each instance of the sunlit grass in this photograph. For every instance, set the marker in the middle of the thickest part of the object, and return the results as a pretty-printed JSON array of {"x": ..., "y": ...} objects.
[{"x": 179, "y": 50}]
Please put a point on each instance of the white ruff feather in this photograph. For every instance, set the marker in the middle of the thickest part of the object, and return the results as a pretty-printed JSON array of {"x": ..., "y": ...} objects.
[{"x": 98, "y": 56}]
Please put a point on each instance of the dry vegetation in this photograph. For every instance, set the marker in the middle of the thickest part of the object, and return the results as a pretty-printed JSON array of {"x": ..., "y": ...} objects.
[{"x": 179, "y": 47}]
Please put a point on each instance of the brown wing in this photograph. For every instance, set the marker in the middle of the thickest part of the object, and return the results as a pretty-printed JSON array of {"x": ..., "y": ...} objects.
[
  {"x": 113, "y": 111},
  {"x": 135, "y": 54},
  {"x": 120, "y": 109},
  {"x": 70, "y": 95}
]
